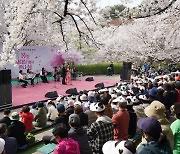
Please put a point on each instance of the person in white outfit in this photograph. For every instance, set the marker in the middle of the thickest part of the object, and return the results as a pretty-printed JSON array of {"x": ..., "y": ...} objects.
[{"x": 52, "y": 111}]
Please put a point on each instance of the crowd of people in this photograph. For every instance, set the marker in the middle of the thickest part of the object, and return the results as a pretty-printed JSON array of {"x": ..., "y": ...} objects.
[{"x": 103, "y": 121}]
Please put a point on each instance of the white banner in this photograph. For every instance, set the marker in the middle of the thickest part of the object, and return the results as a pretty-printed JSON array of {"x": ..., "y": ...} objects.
[{"x": 34, "y": 58}]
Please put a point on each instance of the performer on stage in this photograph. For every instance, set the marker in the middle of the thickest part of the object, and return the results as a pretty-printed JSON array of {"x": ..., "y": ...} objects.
[
  {"x": 22, "y": 78},
  {"x": 43, "y": 75},
  {"x": 63, "y": 74},
  {"x": 68, "y": 76},
  {"x": 30, "y": 76},
  {"x": 57, "y": 74}
]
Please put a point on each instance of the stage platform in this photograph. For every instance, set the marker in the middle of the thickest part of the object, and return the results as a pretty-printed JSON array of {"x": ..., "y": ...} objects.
[{"x": 31, "y": 94}]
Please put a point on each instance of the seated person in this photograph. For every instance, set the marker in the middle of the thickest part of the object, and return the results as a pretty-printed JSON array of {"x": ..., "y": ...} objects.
[
  {"x": 22, "y": 79},
  {"x": 30, "y": 76},
  {"x": 65, "y": 144},
  {"x": 27, "y": 118},
  {"x": 41, "y": 117},
  {"x": 2, "y": 144},
  {"x": 6, "y": 118},
  {"x": 11, "y": 142},
  {"x": 52, "y": 111},
  {"x": 43, "y": 75},
  {"x": 17, "y": 130}
]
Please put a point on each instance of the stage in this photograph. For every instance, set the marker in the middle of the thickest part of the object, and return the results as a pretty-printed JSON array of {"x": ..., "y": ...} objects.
[{"x": 31, "y": 94}]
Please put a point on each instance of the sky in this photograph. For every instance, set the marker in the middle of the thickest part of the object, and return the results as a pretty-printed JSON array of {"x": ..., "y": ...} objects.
[{"x": 104, "y": 3}]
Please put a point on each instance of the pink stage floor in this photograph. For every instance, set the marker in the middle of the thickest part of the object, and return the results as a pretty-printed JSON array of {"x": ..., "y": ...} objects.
[{"x": 32, "y": 94}]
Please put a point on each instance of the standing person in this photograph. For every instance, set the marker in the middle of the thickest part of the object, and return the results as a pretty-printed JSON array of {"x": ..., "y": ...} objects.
[
  {"x": 56, "y": 74},
  {"x": 175, "y": 127},
  {"x": 121, "y": 120},
  {"x": 68, "y": 76},
  {"x": 22, "y": 79},
  {"x": 63, "y": 74},
  {"x": 65, "y": 145},
  {"x": 112, "y": 68},
  {"x": 101, "y": 130},
  {"x": 43, "y": 75}
]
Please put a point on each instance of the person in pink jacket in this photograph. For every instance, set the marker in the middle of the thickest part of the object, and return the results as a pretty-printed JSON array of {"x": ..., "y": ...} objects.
[
  {"x": 65, "y": 145},
  {"x": 27, "y": 118}
]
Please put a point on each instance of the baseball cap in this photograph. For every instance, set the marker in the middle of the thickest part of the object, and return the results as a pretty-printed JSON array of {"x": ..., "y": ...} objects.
[
  {"x": 74, "y": 119},
  {"x": 150, "y": 126},
  {"x": 60, "y": 108}
]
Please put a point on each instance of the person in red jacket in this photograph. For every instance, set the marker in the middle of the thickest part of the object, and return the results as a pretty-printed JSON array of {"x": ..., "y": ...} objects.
[{"x": 27, "y": 118}]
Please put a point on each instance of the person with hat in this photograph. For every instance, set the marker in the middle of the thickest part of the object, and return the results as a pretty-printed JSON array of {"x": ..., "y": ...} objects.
[
  {"x": 62, "y": 116},
  {"x": 101, "y": 130},
  {"x": 78, "y": 133},
  {"x": 70, "y": 107},
  {"x": 41, "y": 117},
  {"x": 121, "y": 120},
  {"x": 119, "y": 147},
  {"x": 2, "y": 144},
  {"x": 156, "y": 141},
  {"x": 65, "y": 144},
  {"x": 11, "y": 142},
  {"x": 157, "y": 110},
  {"x": 175, "y": 127},
  {"x": 17, "y": 130}
]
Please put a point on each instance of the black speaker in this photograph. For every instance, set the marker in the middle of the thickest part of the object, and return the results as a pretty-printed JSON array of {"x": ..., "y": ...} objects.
[
  {"x": 72, "y": 91},
  {"x": 99, "y": 85},
  {"x": 89, "y": 79},
  {"x": 5, "y": 76},
  {"x": 51, "y": 94},
  {"x": 125, "y": 74},
  {"x": 5, "y": 94},
  {"x": 127, "y": 65}
]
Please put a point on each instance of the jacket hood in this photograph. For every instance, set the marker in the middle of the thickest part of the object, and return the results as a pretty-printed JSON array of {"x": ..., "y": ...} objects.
[{"x": 104, "y": 119}]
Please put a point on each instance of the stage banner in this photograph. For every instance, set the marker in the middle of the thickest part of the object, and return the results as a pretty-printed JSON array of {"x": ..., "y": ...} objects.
[{"x": 33, "y": 58}]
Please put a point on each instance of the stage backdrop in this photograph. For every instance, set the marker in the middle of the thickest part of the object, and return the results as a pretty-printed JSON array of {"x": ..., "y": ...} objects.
[{"x": 34, "y": 58}]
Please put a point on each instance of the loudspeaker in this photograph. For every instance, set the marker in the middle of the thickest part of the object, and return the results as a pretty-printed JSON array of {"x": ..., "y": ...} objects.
[
  {"x": 125, "y": 74},
  {"x": 127, "y": 65},
  {"x": 5, "y": 94},
  {"x": 5, "y": 76},
  {"x": 99, "y": 85},
  {"x": 72, "y": 91},
  {"x": 51, "y": 94},
  {"x": 89, "y": 79}
]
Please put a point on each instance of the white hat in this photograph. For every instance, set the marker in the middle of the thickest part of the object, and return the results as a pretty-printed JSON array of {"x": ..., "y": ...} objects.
[
  {"x": 103, "y": 90},
  {"x": 2, "y": 143},
  {"x": 59, "y": 98},
  {"x": 97, "y": 107},
  {"x": 91, "y": 93},
  {"x": 120, "y": 100},
  {"x": 124, "y": 83},
  {"x": 134, "y": 99},
  {"x": 83, "y": 97},
  {"x": 123, "y": 88},
  {"x": 143, "y": 97},
  {"x": 77, "y": 103},
  {"x": 165, "y": 76},
  {"x": 110, "y": 148},
  {"x": 124, "y": 93},
  {"x": 113, "y": 96}
]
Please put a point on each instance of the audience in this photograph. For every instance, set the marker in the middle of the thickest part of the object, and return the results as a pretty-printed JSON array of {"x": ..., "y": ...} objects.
[
  {"x": 65, "y": 144},
  {"x": 27, "y": 118},
  {"x": 2, "y": 144},
  {"x": 34, "y": 109},
  {"x": 10, "y": 142},
  {"x": 6, "y": 118},
  {"x": 41, "y": 117},
  {"x": 152, "y": 133},
  {"x": 175, "y": 127},
  {"x": 17, "y": 130},
  {"x": 121, "y": 120},
  {"x": 101, "y": 130},
  {"x": 52, "y": 111}
]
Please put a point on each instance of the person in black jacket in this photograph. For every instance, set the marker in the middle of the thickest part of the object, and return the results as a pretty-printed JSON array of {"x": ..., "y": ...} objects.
[
  {"x": 63, "y": 74},
  {"x": 17, "y": 130},
  {"x": 6, "y": 118}
]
